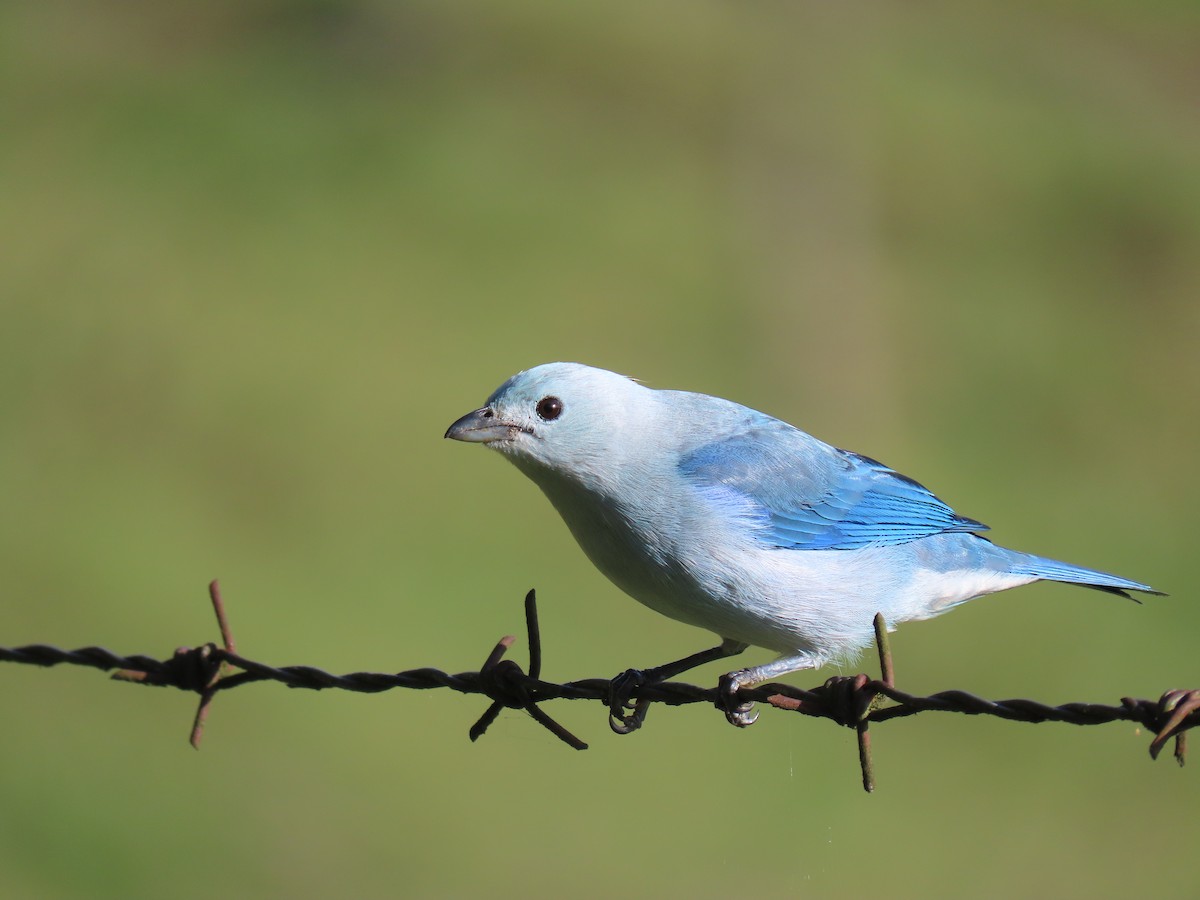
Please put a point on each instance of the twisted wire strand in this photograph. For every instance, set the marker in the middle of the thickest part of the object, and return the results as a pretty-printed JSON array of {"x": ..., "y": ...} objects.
[
  {"x": 854, "y": 701},
  {"x": 670, "y": 693}
]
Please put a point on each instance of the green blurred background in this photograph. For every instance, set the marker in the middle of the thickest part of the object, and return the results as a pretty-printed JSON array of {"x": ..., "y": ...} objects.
[{"x": 256, "y": 256}]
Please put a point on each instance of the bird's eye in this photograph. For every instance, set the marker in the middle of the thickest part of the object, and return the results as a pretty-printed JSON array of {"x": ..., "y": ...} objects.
[{"x": 549, "y": 408}]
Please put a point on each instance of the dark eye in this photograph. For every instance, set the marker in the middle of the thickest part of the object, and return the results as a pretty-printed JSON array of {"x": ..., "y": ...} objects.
[{"x": 549, "y": 408}]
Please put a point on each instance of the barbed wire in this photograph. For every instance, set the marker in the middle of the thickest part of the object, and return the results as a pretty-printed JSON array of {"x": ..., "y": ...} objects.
[{"x": 853, "y": 701}]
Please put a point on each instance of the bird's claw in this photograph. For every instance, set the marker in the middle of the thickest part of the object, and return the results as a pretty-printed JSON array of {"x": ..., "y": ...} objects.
[
  {"x": 739, "y": 714},
  {"x": 742, "y": 715},
  {"x": 620, "y": 689}
]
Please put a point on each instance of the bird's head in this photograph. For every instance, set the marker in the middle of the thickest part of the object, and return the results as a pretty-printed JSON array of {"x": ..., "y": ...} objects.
[{"x": 565, "y": 417}]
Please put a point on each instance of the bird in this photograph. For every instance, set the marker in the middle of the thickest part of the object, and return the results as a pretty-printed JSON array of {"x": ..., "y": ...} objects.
[{"x": 726, "y": 518}]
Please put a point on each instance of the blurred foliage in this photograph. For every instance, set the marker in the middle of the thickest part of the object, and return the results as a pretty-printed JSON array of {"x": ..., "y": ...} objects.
[{"x": 256, "y": 256}]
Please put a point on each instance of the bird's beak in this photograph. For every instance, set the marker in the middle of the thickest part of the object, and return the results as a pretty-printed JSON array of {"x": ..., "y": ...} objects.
[{"x": 481, "y": 427}]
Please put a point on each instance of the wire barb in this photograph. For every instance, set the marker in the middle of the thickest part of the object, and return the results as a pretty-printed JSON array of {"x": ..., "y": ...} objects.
[
  {"x": 856, "y": 701},
  {"x": 210, "y": 687},
  {"x": 1176, "y": 707},
  {"x": 508, "y": 685}
]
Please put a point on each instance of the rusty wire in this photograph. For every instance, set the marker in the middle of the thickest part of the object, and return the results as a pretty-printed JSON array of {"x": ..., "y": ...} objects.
[{"x": 853, "y": 701}]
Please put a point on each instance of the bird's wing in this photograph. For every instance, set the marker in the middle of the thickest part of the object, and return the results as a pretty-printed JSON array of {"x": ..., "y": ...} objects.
[{"x": 803, "y": 494}]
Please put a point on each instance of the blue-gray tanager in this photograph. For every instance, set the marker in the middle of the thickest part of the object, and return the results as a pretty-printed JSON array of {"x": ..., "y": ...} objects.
[{"x": 726, "y": 518}]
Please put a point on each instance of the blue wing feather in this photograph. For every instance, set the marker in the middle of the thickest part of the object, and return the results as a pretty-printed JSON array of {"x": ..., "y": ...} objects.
[{"x": 803, "y": 494}]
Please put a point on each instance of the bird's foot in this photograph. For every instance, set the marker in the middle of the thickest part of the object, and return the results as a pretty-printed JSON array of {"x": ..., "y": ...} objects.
[
  {"x": 739, "y": 714},
  {"x": 620, "y": 691}
]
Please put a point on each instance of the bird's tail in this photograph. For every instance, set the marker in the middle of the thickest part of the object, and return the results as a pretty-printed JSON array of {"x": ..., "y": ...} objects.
[{"x": 1053, "y": 570}]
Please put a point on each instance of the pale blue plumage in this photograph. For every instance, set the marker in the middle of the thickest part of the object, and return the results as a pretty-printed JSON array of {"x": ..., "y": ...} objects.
[{"x": 726, "y": 518}]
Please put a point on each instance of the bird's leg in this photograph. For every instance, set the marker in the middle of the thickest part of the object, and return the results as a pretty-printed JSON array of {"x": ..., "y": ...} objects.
[
  {"x": 743, "y": 714},
  {"x": 624, "y": 685}
]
